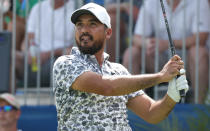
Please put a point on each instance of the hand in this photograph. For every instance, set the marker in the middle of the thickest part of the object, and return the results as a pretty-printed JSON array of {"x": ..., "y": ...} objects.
[
  {"x": 172, "y": 68},
  {"x": 175, "y": 85},
  {"x": 151, "y": 45}
]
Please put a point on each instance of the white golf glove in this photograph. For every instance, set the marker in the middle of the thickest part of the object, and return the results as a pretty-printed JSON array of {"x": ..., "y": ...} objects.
[{"x": 175, "y": 85}]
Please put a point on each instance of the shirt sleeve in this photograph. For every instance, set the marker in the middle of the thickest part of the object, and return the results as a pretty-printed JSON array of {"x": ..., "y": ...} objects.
[
  {"x": 66, "y": 70},
  {"x": 137, "y": 93}
]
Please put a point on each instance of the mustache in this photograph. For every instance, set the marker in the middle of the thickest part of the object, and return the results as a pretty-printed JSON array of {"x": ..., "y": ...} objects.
[{"x": 86, "y": 34}]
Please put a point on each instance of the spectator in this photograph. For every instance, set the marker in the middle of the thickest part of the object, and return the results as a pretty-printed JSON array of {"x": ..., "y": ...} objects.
[
  {"x": 9, "y": 112},
  {"x": 41, "y": 36},
  {"x": 124, "y": 6},
  {"x": 93, "y": 93},
  {"x": 7, "y": 8},
  {"x": 175, "y": 14}
]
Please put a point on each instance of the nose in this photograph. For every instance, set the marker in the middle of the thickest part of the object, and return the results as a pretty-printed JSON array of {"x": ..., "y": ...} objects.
[{"x": 85, "y": 29}]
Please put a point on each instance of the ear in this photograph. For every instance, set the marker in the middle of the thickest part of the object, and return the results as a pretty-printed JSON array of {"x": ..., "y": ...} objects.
[
  {"x": 18, "y": 113},
  {"x": 108, "y": 33}
]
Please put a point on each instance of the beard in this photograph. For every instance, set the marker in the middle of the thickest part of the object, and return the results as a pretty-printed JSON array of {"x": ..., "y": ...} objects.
[{"x": 97, "y": 45}]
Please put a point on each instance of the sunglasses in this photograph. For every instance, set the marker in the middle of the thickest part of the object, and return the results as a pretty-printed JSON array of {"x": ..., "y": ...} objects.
[{"x": 6, "y": 108}]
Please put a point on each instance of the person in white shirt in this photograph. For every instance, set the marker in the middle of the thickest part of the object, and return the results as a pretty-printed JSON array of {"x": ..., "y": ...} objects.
[
  {"x": 48, "y": 31},
  {"x": 124, "y": 7},
  {"x": 151, "y": 15}
]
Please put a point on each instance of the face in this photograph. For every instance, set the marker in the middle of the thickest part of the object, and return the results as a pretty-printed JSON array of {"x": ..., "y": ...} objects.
[
  {"x": 8, "y": 118},
  {"x": 90, "y": 34}
]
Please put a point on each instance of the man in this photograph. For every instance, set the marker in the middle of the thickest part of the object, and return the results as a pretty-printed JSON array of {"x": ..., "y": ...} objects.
[
  {"x": 47, "y": 31},
  {"x": 93, "y": 94},
  {"x": 9, "y": 112},
  {"x": 178, "y": 12}
]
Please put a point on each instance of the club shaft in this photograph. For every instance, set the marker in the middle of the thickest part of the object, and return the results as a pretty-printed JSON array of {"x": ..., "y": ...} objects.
[
  {"x": 173, "y": 51},
  {"x": 171, "y": 44}
]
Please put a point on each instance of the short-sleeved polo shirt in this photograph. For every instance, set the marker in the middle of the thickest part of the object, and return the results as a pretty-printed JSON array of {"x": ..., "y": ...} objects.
[{"x": 78, "y": 111}]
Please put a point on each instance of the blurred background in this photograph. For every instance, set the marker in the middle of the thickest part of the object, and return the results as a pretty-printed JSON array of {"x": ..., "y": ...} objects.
[{"x": 34, "y": 33}]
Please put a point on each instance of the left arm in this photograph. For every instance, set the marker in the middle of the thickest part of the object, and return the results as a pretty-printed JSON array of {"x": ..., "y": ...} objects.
[
  {"x": 155, "y": 111},
  {"x": 150, "y": 110}
]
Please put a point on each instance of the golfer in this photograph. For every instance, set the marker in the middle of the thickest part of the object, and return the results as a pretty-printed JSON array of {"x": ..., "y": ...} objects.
[{"x": 93, "y": 94}]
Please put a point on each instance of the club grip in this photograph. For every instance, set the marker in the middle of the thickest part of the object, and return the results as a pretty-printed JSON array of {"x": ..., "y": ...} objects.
[{"x": 181, "y": 92}]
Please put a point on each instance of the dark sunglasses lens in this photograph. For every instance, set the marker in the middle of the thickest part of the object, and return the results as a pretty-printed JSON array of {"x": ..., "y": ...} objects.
[{"x": 7, "y": 108}]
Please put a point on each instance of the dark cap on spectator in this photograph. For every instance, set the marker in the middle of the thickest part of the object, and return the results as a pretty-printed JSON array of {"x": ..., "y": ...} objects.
[
  {"x": 98, "y": 11},
  {"x": 10, "y": 99}
]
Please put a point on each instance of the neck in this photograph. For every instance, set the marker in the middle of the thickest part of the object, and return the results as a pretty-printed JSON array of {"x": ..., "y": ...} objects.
[
  {"x": 100, "y": 57},
  {"x": 173, "y": 3},
  {"x": 58, "y": 3}
]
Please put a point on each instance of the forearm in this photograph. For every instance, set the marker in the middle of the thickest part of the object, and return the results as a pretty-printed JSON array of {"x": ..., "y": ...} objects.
[
  {"x": 115, "y": 85},
  {"x": 159, "y": 110},
  {"x": 125, "y": 84},
  {"x": 191, "y": 40}
]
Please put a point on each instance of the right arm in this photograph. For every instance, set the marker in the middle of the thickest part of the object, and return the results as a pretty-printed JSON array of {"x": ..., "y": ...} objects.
[
  {"x": 121, "y": 85},
  {"x": 112, "y": 86}
]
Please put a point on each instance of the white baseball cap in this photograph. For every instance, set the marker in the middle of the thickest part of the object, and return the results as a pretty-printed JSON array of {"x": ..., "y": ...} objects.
[
  {"x": 10, "y": 99},
  {"x": 98, "y": 11}
]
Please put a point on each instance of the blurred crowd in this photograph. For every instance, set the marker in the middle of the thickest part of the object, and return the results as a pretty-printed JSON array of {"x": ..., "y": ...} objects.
[{"x": 43, "y": 29}]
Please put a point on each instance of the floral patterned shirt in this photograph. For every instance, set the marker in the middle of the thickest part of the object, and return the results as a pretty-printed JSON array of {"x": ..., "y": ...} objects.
[{"x": 81, "y": 111}]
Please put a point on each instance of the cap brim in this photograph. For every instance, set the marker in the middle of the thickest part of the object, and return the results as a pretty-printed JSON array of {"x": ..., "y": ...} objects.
[{"x": 78, "y": 13}]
